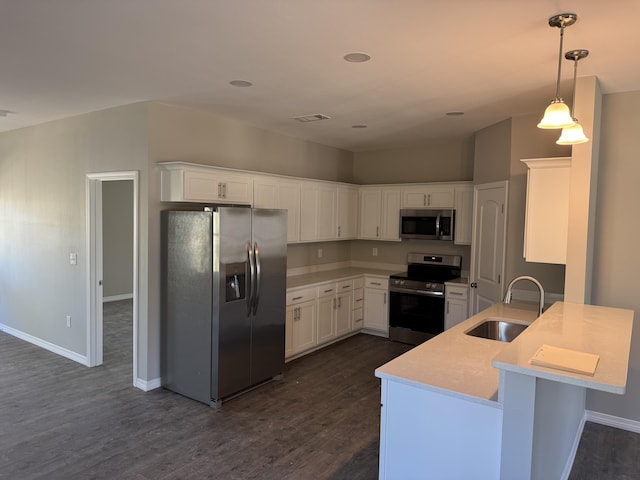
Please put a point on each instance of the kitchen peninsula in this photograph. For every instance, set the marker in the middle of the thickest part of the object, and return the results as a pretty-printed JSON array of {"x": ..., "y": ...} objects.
[{"x": 460, "y": 406}]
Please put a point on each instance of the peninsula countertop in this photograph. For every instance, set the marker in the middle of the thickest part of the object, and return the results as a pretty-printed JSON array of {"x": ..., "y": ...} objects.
[
  {"x": 468, "y": 367},
  {"x": 603, "y": 331},
  {"x": 457, "y": 364}
]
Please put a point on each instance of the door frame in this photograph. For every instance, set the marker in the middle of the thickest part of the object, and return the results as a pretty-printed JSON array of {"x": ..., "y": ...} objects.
[{"x": 95, "y": 265}]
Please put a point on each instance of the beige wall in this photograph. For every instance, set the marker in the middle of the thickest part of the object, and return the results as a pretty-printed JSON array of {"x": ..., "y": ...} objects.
[
  {"x": 492, "y": 153},
  {"x": 306, "y": 254},
  {"x": 117, "y": 234},
  {"x": 616, "y": 254},
  {"x": 442, "y": 161},
  {"x": 187, "y": 135},
  {"x": 43, "y": 219}
]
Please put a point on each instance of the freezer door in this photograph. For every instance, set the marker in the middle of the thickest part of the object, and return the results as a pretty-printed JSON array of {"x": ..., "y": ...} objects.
[
  {"x": 269, "y": 243},
  {"x": 186, "y": 303},
  {"x": 231, "y": 334}
]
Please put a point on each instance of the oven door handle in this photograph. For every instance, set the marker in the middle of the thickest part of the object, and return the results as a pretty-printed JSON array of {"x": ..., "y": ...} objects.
[{"x": 416, "y": 292}]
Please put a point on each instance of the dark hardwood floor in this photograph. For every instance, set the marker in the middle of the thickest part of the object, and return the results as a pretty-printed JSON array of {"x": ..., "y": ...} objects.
[{"x": 60, "y": 420}]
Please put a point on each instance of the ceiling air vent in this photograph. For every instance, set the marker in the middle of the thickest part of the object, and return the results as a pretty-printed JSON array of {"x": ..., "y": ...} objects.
[{"x": 311, "y": 118}]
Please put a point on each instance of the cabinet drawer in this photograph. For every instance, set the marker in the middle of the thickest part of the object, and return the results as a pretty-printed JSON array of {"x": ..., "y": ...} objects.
[
  {"x": 358, "y": 282},
  {"x": 452, "y": 293},
  {"x": 326, "y": 290},
  {"x": 299, "y": 296},
  {"x": 345, "y": 286},
  {"x": 358, "y": 319},
  {"x": 376, "y": 282}
]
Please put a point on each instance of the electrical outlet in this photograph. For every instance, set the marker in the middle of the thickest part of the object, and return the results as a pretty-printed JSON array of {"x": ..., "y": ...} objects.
[
  {"x": 319, "y": 253},
  {"x": 68, "y": 321},
  {"x": 374, "y": 252}
]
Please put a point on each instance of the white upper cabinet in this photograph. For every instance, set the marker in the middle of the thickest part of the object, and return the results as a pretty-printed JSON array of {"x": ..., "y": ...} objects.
[
  {"x": 380, "y": 213},
  {"x": 347, "y": 212},
  {"x": 427, "y": 196},
  {"x": 270, "y": 192},
  {"x": 318, "y": 201},
  {"x": 464, "y": 214},
  {"x": 547, "y": 212},
  {"x": 192, "y": 183}
]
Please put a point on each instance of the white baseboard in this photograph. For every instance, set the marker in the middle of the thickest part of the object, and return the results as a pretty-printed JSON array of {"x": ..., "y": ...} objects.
[
  {"x": 147, "y": 385},
  {"x": 574, "y": 449},
  {"x": 115, "y": 298},
  {"x": 612, "y": 421},
  {"x": 76, "y": 357}
]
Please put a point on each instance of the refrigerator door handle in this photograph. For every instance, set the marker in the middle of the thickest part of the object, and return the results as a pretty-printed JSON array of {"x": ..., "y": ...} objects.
[
  {"x": 258, "y": 276},
  {"x": 251, "y": 279}
]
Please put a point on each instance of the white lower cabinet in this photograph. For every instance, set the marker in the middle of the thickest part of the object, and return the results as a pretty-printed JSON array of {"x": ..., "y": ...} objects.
[
  {"x": 456, "y": 305},
  {"x": 376, "y": 304},
  {"x": 301, "y": 321},
  {"x": 357, "y": 320},
  {"x": 300, "y": 327},
  {"x": 326, "y": 313},
  {"x": 344, "y": 308}
]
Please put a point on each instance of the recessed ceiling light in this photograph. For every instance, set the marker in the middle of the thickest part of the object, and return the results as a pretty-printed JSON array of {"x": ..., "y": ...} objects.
[
  {"x": 312, "y": 118},
  {"x": 359, "y": 126},
  {"x": 240, "y": 83},
  {"x": 4, "y": 113},
  {"x": 454, "y": 114},
  {"x": 357, "y": 57}
]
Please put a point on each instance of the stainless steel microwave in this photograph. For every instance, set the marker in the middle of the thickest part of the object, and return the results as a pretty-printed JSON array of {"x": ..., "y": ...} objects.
[{"x": 427, "y": 224}]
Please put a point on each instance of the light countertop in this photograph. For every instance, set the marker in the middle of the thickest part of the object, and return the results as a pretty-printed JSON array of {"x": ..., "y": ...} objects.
[
  {"x": 467, "y": 367},
  {"x": 457, "y": 364},
  {"x": 585, "y": 328},
  {"x": 310, "y": 279}
]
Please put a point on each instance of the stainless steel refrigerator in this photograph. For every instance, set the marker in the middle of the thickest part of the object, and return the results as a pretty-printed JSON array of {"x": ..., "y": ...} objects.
[{"x": 223, "y": 300}]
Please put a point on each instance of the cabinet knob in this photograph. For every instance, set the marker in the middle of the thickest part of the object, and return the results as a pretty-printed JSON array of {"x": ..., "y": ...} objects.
[{"x": 474, "y": 285}]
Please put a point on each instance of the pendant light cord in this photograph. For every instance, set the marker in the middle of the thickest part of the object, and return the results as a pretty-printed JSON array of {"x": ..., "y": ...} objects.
[
  {"x": 559, "y": 61},
  {"x": 573, "y": 96}
]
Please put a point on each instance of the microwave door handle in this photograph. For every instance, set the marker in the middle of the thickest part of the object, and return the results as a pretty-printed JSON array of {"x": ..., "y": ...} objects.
[{"x": 438, "y": 226}]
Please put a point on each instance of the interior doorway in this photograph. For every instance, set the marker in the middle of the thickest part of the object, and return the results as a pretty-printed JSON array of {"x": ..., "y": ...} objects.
[{"x": 102, "y": 209}]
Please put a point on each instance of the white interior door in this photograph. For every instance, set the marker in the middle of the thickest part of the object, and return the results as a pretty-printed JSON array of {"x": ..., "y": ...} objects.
[{"x": 488, "y": 253}]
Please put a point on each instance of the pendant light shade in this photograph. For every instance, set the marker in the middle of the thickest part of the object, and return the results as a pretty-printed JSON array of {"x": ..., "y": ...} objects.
[
  {"x": 574, "y": 134},
  {"x": 557, "y": 114}
]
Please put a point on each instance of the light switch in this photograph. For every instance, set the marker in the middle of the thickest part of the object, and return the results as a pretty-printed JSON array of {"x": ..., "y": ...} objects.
[{"x": 73, "y": 259}]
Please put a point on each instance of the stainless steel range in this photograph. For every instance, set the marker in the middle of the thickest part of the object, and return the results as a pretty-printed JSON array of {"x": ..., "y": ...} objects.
[{"x": 416, "y": 298}]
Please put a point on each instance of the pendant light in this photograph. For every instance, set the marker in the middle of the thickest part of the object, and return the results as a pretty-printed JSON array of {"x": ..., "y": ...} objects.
[
  {"x": 557, "y": 114},
  {"x": 574, "y": 134}
]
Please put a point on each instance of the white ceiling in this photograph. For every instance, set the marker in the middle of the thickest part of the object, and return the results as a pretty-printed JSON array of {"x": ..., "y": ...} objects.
[{"x": 491, "y": 59}]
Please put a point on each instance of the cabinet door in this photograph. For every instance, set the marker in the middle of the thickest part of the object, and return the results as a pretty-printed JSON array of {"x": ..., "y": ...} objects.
[
  {"x": 317, "y": 212},
  {"x": 327, "y": 222},
  {"x": 289, "y": 199},
  {"x": 213, "y": 186},
  {"x": 464, "y": 215},
  {"x": 427, "y": 196},
  {"x": 304, "y": 327},
  {"x": 308, "y": 212},
  {"x": 391, "y": 214},
  {"x": 455, "y": 312},
  {"x": 265, "y": 193},
  {"x": 326, "y": 319},
  {"x": 347, "y": 212},
  {"x": 370, "y": 214},
  {"x": 344, "y": 309},
  {"x": 376, "y": 315}
]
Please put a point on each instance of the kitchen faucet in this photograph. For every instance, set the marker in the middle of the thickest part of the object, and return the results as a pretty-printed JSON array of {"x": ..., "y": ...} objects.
[{"x": 507, "y": 296}]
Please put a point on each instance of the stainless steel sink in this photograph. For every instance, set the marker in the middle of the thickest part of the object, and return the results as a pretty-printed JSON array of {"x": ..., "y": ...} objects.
[{"x": 498, "y": 329}]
